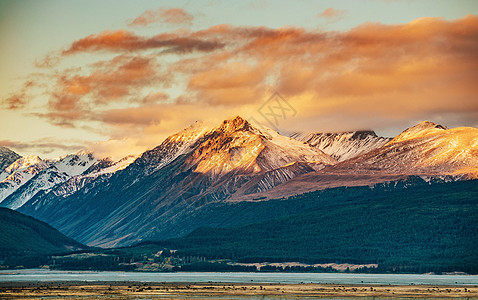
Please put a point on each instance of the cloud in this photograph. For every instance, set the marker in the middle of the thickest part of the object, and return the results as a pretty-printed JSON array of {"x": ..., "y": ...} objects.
[
  {"x": 123, "y": 40},
  {"x": 76, "y": 96},
  {"x": 15, "y": 101},
  {"x": 374, "y": 75},
  {"x": 176, "y": 16},
  {"x": 153, "y": 98},
  {"x": 48, "y": 61},
  {"x": 331, "y": 13},
  {"x": 230, "y": 84},
  {"x": 44, "y": 146},
  {"x": 137, "y": 129},
  {"x": 113, "y": 79},
  {"x": 20, "y": 99}
]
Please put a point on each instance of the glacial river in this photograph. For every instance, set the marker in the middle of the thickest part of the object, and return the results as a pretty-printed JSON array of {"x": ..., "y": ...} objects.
[{"x": 37, "y": 275}]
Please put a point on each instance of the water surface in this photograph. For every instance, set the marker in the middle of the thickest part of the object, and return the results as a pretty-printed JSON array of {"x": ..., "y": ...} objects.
[{"x": 38, "y": 275}]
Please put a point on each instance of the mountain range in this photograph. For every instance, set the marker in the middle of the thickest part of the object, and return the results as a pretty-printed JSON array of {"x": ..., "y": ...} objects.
[{"x": 193, "y": 175}]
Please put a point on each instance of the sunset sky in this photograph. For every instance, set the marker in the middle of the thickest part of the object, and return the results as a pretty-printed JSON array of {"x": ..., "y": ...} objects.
[{"x": 117, "y": 77}]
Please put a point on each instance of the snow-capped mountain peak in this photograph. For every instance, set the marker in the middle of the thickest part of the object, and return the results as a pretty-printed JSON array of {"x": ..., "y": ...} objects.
[
  {"x": 238, "y": 145},
  {"x": 343, "y": 145},
  {"x": 23, "y": 163},
  {"x": 171, "y": 148},
  {"x": 19, "y": 173},
  {"x": 235, "y": 124},
  {"x": 75, "y": 164},
  {"x": 426, "y": 148},
  {"x": 108, "y": 166},
  {"x": 7, "y": 157},
  {"x": 235, "y": 161},
  {"x": 425, "y": 128}
]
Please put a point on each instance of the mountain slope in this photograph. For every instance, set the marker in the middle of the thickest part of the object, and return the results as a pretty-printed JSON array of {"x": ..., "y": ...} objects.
[
  {"x": 189, "y": 169},
  {"x": 51, "y": 173},
  {"x": 46, "y": 174},
  {"x": 7, "y": 157},
  {"x": 19, "y": 173},
  {"x": 164, "y": 191},
  {"x": 343, "y": 145},
  {"x": 416, "y": 227},
  {"x": 22, "y": 234},
  {"x": 427, "y": 149}
]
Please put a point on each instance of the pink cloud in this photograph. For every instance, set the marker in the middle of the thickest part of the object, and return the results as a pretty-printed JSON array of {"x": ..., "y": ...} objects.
[
  {"x": 331, "y": 12},
  {"x": 164, "y": 15}
]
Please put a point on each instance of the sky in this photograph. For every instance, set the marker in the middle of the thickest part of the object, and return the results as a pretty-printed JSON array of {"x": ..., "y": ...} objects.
[{"x": 118, "y": 77}]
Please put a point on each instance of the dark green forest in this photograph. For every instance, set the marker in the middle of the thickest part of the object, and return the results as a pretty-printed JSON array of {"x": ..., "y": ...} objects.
[
  {"x": 29, "y": 242},
  {"x": 409, "y": 227}
]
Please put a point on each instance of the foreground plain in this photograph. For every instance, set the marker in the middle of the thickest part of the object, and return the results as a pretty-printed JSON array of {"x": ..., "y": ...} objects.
[{"x": 129, "y": 290}]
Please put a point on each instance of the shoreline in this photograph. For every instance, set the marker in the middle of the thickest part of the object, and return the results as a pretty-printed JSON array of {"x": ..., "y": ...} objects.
[{"x": 152, "y": 290}]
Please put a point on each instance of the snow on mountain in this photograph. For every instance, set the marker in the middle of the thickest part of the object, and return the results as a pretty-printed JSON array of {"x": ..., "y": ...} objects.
[
  {"x": 426, "y": 148},
  {"x": 45, "y": 175},
  {"x": 22, "y": 164},
  {"x": 19, "y": 173},
  {"x": 42, "y": 181},
  {"x": 420, "y": 130},
  {"x": 237, "y": 145},
  {"x": 94, "y": 175},
  {"x": 7, "y": 157},
  {"x": 171, "y": 148},
  {"x": 343, "y": 145},
  {"x": 107, "y": 166},
  {"x": 75, "y": 164},
  {"x": 270, "y": 179},
  {"x": 78, "y": 165}
]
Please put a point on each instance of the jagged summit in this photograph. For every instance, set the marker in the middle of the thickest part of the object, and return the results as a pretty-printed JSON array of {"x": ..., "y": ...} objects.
[
  {"x": 234, "y": 144},
  {"x": 7, "y": 157},
  {"x": 343, "y": 145},
  {"x": 363, "y": 134},
  {"x": 23, "y": 163},
  {"x": 237, "y": 145},
  {"x": 234, "y": 124},
  {"x": 30, "y": 174}
]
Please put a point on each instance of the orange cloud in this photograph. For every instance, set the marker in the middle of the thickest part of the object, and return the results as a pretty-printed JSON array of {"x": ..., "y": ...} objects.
[
  {"x": 153, "y": 98},
  {"x": 123, "y": 40},
  {"x": 331, "y": 13},
  {"x": 19, "y": 99},
  {"x": 118, "y": 80},
  {"x": 230, "y": 84},
  {"x": 171, "y": 16},
  {"x": 372, "y": 74},
  {"x": 16, "y": 101}
]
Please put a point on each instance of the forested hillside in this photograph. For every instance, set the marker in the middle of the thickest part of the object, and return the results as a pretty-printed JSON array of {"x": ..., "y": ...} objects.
[
  {"x": 415, "y": 228},
  {"x": 24, "y": 234}
]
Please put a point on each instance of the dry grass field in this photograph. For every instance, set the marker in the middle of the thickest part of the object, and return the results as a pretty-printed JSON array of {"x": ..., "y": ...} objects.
[{"x": 125, "y": 290}]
